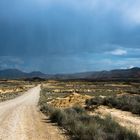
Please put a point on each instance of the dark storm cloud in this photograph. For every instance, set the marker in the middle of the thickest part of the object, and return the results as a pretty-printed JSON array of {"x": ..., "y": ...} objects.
[{"x": 45, "y": 34}]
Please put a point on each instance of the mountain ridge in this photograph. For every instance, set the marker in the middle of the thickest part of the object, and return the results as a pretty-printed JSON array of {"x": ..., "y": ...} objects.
[{"x": 95, "y": 75}]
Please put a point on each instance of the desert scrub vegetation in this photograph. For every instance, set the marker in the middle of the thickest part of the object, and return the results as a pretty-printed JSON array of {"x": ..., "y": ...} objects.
[
  {"x": 134, "y": 91},
  {"x": 91, "y": 88},
  {"x": 124, "y": 102},
  {"x": 48, "y": 95},
  {"x": 12, "y": 88},
  {"x": 82, "y": 126},
  {"x": 8, "y": 96}
]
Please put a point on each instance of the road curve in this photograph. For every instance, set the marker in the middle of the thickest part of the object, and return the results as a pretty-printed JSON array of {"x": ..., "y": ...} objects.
[{"x": 20, "y": 119}]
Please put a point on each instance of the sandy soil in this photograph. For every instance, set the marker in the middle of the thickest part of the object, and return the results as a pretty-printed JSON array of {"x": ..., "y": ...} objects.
[
  {"x": 20, "y": 119},
  {"x": 124, "y": 118},
  {"x": 69, "y": 101}
]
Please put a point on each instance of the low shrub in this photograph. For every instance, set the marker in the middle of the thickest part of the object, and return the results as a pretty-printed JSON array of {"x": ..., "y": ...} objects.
[
  {"x": 124, "y": 102},
  {"x": 82, "y": 126},
  {"x": 9, "y": 96}
]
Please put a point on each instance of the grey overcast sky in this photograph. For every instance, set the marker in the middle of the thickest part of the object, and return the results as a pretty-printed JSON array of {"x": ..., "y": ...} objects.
[{"x": 67, "y": 36}]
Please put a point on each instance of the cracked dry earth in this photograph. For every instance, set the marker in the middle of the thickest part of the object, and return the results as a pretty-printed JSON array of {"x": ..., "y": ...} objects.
[{"x": 20, "y": 119}]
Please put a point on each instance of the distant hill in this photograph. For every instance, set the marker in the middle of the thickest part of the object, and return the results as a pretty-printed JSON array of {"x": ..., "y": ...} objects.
[
  {"x": 12, "y": 74},
  {"x": 36, "y": 74},
  {"x": 16, "y": 74},
  {"x": 118, "y": 74}
]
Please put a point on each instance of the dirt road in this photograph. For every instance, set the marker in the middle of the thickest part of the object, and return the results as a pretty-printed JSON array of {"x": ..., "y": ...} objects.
[{"x": 20, "y": 119}]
